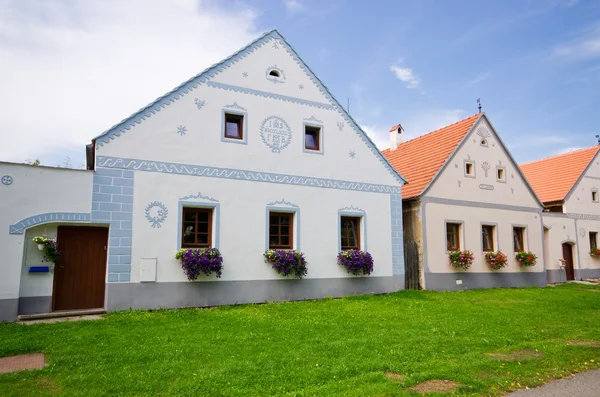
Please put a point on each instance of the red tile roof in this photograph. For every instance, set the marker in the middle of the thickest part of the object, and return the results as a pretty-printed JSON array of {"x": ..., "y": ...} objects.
[
  {"x": 553, "y": 178},
  {"x": 419, "y": 159}
]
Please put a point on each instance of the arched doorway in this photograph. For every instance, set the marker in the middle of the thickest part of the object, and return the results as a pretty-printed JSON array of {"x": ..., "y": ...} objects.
[{"x": 567, "y": 250}]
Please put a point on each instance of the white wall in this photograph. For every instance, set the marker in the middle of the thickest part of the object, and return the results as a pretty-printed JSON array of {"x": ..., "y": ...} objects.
[
  {"x": 243, "y": 225},
  {"x": 472, "y": 218},
  {"x": 35, "y": 190},
  {"x": 36, "y": 284},
  {"x": 580, "y": 200},
  {"x": 561, "y": 229}
]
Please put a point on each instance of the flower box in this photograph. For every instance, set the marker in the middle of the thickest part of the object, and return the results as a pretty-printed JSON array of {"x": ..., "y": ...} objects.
[
  {"x": 356, "y": 262},
  {"x": 461, "y": 259},
  {"x": 287, "y": 263},
  {"x": 526, "y": 258},
  {"x": 496, "y": 260},
  {"x": 195, "y": 262}
]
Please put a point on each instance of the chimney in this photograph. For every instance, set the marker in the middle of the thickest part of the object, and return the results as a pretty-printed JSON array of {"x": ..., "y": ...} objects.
[{"x": 396, "y": 137}]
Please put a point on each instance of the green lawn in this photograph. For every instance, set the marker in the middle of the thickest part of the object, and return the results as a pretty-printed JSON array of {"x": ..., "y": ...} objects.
[{"x": 327, "y": 347}]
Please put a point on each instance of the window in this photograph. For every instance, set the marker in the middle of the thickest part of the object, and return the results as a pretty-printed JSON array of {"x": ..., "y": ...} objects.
[
  {"x": 274, "y": 73},
  {"x": 281, "y": 226},
  {"x": 594, "y": 196},
  {"x": 484, "y": 142},
  {"x": 593, "y": 241},
  {"x": 312, "y": 138},
  {"x": 469, "y": 169},
  {"x": 487, "y": 236},
  {"x": 518, "y": 239},
  {"x": 350, "y": 232},
  {"x": 453, "y": 236},
  {"x": 233, "y": 126},
  {"x": 500, "y": 174},
  {"x": 197, "y": 228}
]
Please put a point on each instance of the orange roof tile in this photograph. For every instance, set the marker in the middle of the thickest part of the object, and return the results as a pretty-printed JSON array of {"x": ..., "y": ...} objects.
[
  {"x": 419, "y": 159},
  {"x": 553, "y": 178}
]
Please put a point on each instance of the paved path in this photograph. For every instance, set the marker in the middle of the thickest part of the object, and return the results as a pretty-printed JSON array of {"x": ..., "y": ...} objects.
[{"x": 581, "y": 385}]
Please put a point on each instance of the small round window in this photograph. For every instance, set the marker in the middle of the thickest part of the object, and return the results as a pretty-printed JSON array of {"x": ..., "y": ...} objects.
[
  {"x": 274, "y": 73},
  {"x": 483, "y": 142}
]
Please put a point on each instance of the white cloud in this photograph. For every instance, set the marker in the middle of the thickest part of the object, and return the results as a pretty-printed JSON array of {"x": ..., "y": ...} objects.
[
  {"x": 406, "y": 75},
  {"x": 293, "y": 6},
  {"x": 70, "y": 70},
  {"x": 585, "y": 46}
]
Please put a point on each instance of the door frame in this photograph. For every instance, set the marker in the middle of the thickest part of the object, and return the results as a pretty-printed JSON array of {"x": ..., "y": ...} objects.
[{"x": 54, "y": 278}]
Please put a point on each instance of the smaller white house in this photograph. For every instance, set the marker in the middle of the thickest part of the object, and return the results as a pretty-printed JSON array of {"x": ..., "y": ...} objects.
[
  {"x": 465, "y": 192},
  {"x": 569, "y": 185},
  {"x": 250, "y": 155}
]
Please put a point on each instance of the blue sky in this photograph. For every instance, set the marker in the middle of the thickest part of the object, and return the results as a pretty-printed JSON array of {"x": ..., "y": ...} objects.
[{"x": 71, "y": 69}]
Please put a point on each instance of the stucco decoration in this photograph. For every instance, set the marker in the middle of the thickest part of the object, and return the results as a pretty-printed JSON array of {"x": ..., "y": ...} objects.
[
  {"x": 301, "y": 86},
  {"x": 352, "y": 208},
  {"x": 483, "y": 132},
  {"x": 459, "y": 183},
  {"x": 199, "y": 103},
  {"x": 235, "y": 106},
  {"x": 7, "y": 180},
  {"x": 276, "y": 44},
  {"x": 283, "y": 202},
  {"x": 245, "y": 75},
  {"x": 275, "y": 79},
  {"x": 340, "y": 125},
  {"x": 352, "y": 154},
  {"x": 486, "y": 167},
  {"x": 313, "y": 118},
  {"x": 275, "y": 133},
  {"x": 156, "y": 213},
  {"x": 199, "y": 196},
  {"x": 20, "y": 226},
  {"x": 239, "y": 174},
  {"x": 455, "y": 165},
  {"x": 582, "y": 232},
  {"x": 486, "y": 187},
  {"x": 181, "y": 130}
]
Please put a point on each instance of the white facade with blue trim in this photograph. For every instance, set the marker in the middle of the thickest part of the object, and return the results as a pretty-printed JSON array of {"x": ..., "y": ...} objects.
[{"x": 173, "y": 155}]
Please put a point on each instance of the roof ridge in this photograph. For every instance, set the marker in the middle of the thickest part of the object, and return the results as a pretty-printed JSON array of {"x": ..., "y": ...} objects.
[
  {"x": 559, "y": 155},
  {"x": 434, "y": 131}
]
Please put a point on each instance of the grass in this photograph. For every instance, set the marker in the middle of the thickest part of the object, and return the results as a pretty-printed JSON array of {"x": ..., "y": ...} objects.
[{"x": 326, "y": 347}]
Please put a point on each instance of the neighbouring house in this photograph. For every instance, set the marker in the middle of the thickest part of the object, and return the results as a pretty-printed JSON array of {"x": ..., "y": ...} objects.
[
  {"x": 465, "y": 192},
  {"x": 253, "y": 153},
  {"x": 568, "y": 185}
]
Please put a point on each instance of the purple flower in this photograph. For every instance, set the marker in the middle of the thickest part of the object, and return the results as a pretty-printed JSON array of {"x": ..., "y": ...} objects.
[
  {"x": 356, "y": 262},
  {"x": 287, "y": 263},
  {"x": 200, "y": 261}
]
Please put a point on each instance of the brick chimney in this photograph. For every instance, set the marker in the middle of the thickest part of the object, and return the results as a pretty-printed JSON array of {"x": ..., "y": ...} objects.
[{"x": 396, "y": 137}]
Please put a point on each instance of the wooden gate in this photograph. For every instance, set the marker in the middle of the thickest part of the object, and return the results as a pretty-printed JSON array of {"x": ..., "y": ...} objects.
[
  {"x": 79, "y": 275},
  {"x": 411, "y": 265}
]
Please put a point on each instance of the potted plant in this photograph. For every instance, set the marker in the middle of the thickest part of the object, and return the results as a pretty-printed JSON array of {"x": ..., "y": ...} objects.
[
  {"x": 595, "y": 253},
  {"x": 195, "y": 262},
  {"x": 40, "y": 241},
  {"x": 496, "y": 260},
  {"x": 461, "y": 259},
  {"x": 356, "y": 262},
  {"x": 526, "y": 258},
  {"x": 287, "y": 262}
]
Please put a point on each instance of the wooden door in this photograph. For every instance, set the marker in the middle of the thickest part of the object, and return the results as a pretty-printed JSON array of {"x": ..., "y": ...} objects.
[
  {"x": 79, "y": 275},
  {"x": 411, "y": 263},
  {"x": 568, "y": 256}
]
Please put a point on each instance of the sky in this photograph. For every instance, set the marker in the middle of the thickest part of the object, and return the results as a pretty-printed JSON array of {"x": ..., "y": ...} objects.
[{"x": 70, "y": 69}]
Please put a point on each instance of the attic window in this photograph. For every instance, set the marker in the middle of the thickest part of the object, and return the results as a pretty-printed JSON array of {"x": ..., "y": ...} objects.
[
  {"x": 274, "y": 73},
  {"x": 484, "y": 142},
  {"x": 500, "y": 175},
  {"x": 470, "y": 169},
  {"x": 594, "y": 196}
]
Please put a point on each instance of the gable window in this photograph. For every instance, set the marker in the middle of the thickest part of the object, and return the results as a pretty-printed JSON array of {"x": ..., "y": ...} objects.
[
  {"x": 312, "y": 138},
  {"x": 500, "y": 174},
  {"x": 483, "y": 142},
  {"x": 234, "y": 126},
  {"x": 518, "y": 239},
  {"x": 197, "y": 228},
  {"x": 274, "y": 73},
  {"x": 594, "y": 195},
  {"x": 470, "y": 169},
  {"x": 281, "y": 226},
  {"x": 350, "y": 233},
  {"x": 487, "y": 238},
  {"x": 453, "y": 236},
  {"x": 593, "y": 241}
]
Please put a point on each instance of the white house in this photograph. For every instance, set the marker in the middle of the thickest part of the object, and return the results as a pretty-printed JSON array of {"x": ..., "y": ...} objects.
[
  {"x": 568, "y": 184},
  {"x": 465, "y": 192},
  {"x": 252, "y": 153}
]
